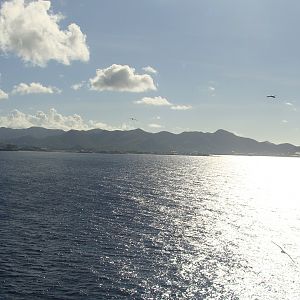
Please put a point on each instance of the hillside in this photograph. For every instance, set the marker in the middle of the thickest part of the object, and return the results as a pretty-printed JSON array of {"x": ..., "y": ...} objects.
[{"x": 139, "y": 141}]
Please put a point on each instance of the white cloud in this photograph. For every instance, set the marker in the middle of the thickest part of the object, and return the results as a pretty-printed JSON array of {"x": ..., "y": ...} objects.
[
  {"x": 160, "y": 101},
  {"x": 291, "y": 105},
  {"x": 153, "y": 125},
  {"x": 181, "y": 107},
  {"x": 34, "y": 88},
  {"x": 121, "y": 78},
  {"x": 3, "y": 95},
  {"x": 156, "y": 101},
  {"x": 149, "y": 69},
  {"x": 31, "y": 31},
  {"x": 53, "y": 120},
  {"x": 77, "y": 86}
]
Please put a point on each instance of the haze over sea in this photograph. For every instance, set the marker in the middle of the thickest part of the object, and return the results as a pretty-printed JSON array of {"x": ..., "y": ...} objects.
[{"x": 100, "y": 226}]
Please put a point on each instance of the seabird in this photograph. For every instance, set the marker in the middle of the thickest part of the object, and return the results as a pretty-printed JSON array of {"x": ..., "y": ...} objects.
[
  {"x": 271, "y": 96},
  {"x": 284, "y": 252},
  {"x": 133, "y": 119}
]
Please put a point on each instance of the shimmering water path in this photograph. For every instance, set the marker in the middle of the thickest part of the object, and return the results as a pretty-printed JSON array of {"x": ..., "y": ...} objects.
[{"x": 91, "y": 226}]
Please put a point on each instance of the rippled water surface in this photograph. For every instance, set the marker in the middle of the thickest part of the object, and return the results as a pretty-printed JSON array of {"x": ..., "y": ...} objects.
[{"x": 91, "y": 226}]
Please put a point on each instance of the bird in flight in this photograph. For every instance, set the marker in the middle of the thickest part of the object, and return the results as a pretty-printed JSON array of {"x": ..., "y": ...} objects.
[
  {"x": 133, "y": 119},
  {"x": 271, "y": 96},
  {"x": 283, "y": 251}
]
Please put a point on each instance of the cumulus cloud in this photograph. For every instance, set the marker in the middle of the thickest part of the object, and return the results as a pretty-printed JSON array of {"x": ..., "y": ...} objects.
[
  {"x": 53, "y": 120},
  {"x": 34, "y": 88},
  {"x": 160, "y": 101},
  {"x": 181, "y": 107},
  {"x": 156, "y": 101},
  {"x": 153, "y": 125},
  {"x": 3, "y": 95},
  {"x": 149, "y": 69},
  {"x": 30, "y": 30},
  {"x": 121, "y": 78}
]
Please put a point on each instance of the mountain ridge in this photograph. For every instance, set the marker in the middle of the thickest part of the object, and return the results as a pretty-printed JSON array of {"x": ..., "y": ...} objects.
[{"x": 140, "y": 141}]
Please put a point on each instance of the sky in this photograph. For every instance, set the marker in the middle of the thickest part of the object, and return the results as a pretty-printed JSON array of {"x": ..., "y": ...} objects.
[{"x": 194, "y": 65}]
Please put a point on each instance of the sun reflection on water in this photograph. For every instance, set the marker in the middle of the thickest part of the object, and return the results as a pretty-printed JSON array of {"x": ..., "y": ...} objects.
[
  {"x": 150, "y": 226},
  {"x": 261, "y": 198},
  {"x": 225, "y": 213}
]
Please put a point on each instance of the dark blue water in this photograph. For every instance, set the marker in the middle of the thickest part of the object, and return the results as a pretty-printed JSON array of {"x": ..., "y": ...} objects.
[{"x": 91, "y": 226}]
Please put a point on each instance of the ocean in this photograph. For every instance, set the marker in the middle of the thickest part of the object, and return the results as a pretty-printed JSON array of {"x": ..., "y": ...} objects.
[{"x": 101, "y": 226}]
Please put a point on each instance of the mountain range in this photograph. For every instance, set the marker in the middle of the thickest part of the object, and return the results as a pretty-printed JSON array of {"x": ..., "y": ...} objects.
[{"x": 139, "y": 141}]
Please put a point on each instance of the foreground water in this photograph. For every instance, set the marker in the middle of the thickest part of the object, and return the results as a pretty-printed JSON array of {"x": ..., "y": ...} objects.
[{"x": 91, "y": 226}]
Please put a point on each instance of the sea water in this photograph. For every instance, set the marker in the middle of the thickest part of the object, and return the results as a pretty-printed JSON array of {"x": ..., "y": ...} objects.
[{"x": 100, "y": 226}]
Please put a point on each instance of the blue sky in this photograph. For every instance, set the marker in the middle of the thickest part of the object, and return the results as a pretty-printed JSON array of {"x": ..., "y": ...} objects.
[{"x": 216, "y": 62}]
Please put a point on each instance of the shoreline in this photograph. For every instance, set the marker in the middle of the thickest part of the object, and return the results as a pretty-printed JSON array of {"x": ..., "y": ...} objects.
[{"x": 143, "y": 153}]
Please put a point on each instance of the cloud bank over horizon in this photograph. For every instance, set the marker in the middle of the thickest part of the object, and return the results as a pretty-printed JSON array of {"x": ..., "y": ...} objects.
[
  {"x": 121, "y": 78},
  {"x": 155, "y": 126},
  {"x": 31, "y": 30},
  {"x": 53, "y": 120}
]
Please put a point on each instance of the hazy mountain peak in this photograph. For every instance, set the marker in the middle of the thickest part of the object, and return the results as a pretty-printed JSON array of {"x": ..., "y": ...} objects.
[
  {"x": 138, "y": 130},
  {"x": 140, "y": 141},
  {"x": 223, "y": 132}
]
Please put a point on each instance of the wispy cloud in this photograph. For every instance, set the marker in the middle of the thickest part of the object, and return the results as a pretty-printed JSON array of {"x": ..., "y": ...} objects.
[
  {"x": 3, "y": 95},
  {"x": 181, "y": 107},
  {"x": 77, "y": 86},
  {"x": 212, "y": 90},
  {"x": 153, "y": 125},
  {"x": 34, "y": 88},
  {"x": 121, "y": 78},
  {"x": 291, "y": 105},
  {"x": 149, "y": 69},
  {"x": 155, "y": 101},
  {"x": 31, "y": 30},
  {"x": 53, "y": 120}
]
